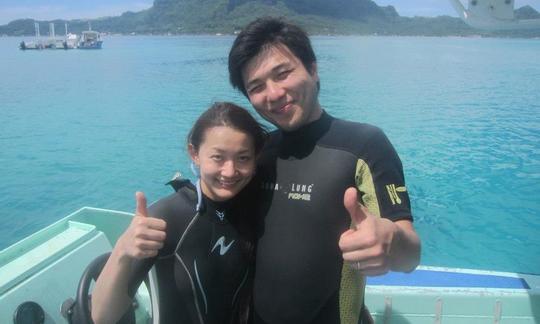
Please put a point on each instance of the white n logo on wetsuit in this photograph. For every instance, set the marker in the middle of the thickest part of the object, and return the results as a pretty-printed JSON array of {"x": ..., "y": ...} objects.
[{"x": 223, "y": 248}]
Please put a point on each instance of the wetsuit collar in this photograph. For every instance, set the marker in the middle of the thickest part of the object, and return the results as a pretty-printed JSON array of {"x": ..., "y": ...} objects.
[
  {"x": 219, "y": 209},
  {"x": 315, "y": 128},
  {"x": 199, "y": 195},
  {"x": 300, "y": 142},
  {"x": 207, "y": 205}
]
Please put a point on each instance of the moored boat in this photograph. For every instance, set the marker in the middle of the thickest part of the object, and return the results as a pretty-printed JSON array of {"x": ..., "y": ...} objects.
[{"x": 90, "y": 40}]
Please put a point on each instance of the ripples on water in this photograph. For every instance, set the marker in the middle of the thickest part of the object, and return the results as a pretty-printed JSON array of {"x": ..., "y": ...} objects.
[{"x": 89, "y": 128}]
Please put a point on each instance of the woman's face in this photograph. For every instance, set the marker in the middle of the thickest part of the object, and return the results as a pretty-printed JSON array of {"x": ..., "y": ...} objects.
[{"x": 226, "y": 159}]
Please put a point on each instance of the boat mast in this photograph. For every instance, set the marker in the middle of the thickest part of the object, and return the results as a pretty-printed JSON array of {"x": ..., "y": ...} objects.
[{"x": 51, "y": 30}]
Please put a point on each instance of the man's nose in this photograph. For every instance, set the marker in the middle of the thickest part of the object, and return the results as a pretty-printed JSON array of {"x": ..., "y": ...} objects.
[{"x": 275, "y": 91}]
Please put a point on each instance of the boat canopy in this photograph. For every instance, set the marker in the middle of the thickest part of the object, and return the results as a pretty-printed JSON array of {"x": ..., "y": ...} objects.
[{"x": 492, "y": 15}]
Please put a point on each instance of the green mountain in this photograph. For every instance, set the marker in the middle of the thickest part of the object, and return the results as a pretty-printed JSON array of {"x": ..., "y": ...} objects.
[
  {"x": 228, "y": 16},
  {"x": 527, "y": 12}
]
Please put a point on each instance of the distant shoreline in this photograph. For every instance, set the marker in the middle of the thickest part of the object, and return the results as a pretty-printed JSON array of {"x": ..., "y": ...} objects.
[{"x": 314, "y": 35}]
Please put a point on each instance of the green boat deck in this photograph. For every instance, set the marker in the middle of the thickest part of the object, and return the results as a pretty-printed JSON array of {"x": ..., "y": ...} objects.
[{"x": 46, "y": 267}]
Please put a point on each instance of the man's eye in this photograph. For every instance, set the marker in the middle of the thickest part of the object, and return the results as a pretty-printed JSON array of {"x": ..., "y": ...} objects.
[
  {"x": 244, "y": 158},
  {"x": 216, "y": 157},
  {"x": 283, "y": 74}
]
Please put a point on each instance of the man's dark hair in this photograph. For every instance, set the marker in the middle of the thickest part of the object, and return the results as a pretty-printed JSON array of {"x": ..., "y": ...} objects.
[{"x": 259, "y": 35}]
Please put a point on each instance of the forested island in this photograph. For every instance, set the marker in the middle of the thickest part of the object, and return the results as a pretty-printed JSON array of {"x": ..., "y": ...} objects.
[{"x": 319, "y": 17}]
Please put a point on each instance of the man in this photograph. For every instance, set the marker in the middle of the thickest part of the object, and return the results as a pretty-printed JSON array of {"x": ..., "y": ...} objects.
[{"x": 316, "y": 240}]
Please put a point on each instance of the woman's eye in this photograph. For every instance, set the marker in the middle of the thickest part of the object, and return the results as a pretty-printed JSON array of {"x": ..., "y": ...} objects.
[{"x": 255, "y": 89}]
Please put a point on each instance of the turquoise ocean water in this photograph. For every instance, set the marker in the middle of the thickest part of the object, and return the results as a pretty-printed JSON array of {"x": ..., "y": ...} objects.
[{"x": 89, "y": 128}]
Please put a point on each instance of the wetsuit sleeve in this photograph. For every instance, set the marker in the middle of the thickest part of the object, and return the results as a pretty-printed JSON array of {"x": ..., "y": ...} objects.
[
  {"x": 165, "y": 209},
  {"x": 380, "y": 180},
  {"x": 140, "y": 267}
]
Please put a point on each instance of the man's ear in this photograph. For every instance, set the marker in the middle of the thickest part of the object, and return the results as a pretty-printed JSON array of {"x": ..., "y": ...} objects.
[
  {"x": 313, "y": 71},
  {"x": 193, "y": 154}
]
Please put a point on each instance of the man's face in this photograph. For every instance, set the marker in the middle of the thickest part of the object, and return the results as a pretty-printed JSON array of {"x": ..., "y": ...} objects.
[{"x": 281, "y": 89}]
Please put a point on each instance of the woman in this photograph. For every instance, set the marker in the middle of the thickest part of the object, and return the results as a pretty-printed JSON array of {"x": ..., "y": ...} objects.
[{"x": 200, "y": 238}]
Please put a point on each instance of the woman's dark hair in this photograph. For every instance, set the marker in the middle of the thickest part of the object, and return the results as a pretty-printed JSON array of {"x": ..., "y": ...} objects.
[
  {"x": 230, "y": 115},
  {"x": 261, "y": 34}
]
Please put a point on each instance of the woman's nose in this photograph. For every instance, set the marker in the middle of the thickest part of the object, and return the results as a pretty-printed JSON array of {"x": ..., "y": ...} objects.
[{"x": 228, "y": 169}]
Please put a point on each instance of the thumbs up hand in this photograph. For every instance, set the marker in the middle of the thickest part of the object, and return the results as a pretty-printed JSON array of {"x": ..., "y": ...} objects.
[
  {"x": 367, "y": 245},
  {"x": 144, "y": 236}
]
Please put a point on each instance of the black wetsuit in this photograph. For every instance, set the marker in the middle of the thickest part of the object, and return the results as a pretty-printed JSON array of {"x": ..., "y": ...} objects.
[
  {"x": 300, "y": 274},
  {"x": 204, "y": 269}
]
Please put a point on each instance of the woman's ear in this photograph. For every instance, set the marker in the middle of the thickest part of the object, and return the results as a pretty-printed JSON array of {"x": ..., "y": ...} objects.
[
  {"x": 193, "y": 154},
  {"x": 257, "y": 157}
]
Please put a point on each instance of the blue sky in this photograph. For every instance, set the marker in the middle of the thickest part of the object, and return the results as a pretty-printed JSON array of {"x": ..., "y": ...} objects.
[{"x": 70, "y": 9}]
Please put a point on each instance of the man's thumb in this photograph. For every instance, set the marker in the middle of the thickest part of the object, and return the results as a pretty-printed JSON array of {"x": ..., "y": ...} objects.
[
  {"x": 350, "y": 200},
  {"x": 141, "y": 204}
]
